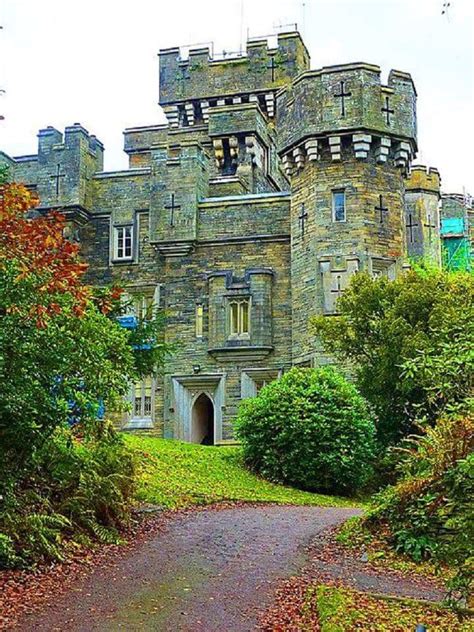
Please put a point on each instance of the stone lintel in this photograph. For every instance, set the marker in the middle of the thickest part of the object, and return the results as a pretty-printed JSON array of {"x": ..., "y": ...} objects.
[
  {"x": 174, "y": 248},
  {"x": 240, "y": 354}
]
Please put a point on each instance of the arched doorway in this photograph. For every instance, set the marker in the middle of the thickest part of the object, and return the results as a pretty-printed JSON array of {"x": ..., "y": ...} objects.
[{"x": 202, "y": 428}]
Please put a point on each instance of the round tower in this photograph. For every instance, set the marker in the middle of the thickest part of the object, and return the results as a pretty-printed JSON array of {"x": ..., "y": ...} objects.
[{"x": 346, "y": 142}]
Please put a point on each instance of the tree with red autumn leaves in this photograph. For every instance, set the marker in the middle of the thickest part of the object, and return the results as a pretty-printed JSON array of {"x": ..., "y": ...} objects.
[
  {"x": 58, "y": 348},
  {"x": 65, "y": 475}
]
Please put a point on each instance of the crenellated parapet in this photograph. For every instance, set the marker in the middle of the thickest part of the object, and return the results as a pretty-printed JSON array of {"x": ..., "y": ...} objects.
[
  {"x": 190, "y": 87},
  {"x": 340, "y": 112},
  {"x": 423, "y": 178},
  {"x": 359, "y": 145}
]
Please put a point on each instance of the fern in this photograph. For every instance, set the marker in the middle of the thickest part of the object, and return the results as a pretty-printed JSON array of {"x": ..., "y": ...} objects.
[
  {"x": 43, "y": 534},
  {"x": 78, "y": 491}
]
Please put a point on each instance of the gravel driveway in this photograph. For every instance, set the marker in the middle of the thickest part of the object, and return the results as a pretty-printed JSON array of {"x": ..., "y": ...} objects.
[{"x": 211, "y": 570}]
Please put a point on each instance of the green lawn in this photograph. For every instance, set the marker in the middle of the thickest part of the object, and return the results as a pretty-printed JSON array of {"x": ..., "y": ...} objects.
[{"x": 176, "y": 474}]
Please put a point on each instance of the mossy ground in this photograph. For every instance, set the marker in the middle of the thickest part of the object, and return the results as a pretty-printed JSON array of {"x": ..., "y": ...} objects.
[
  {"x": 340, "y": 609},
  {"x": 177, "y": 475}
]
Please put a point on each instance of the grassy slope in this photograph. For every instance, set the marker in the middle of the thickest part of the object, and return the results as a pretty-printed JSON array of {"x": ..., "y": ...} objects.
[{"x": 177, "y": 474}]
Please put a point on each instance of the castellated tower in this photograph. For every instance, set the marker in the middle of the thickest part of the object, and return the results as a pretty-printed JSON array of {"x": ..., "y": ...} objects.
[
  {"x": 346, "y": 142},
  {"x": 422, "y": 220},
  {"x": 65, "y": 166}
]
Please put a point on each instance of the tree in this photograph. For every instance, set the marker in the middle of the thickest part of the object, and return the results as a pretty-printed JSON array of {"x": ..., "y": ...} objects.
[
  {"x": 59, "y": 353},
  {"x": 62, "y": 354},
  {"x": 409, "y": 344},
  {"x": 429, "y": 512}
]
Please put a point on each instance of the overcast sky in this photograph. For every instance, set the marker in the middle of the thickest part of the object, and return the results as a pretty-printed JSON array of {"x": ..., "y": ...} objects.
[{"x": 94, "y": 62}]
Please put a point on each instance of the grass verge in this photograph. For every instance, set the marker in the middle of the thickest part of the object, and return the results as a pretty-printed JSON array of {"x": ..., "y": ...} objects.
[
  {"x": 177, "y": 475},
  {"x": 340, "y": 609},
  {"x": 354, "y": 534}
]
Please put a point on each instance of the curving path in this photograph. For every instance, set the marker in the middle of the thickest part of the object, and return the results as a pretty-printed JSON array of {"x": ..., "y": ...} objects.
[{"x": 211, "y": 570}]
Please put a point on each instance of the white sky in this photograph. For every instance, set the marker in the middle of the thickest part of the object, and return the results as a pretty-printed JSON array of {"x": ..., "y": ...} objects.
[{"x": 94, "y": 62}]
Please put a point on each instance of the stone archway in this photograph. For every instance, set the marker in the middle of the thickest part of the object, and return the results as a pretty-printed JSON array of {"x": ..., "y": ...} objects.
[{"x": 202, "y": 421}]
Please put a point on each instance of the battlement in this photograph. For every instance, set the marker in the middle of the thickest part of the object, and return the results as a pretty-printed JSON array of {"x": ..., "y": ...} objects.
[
  {"x": 74, "y": 136},
  {"x": 423, "y": 178},
  {"x": 260, "y": 68},
  {"x": 348, "y": 99}
]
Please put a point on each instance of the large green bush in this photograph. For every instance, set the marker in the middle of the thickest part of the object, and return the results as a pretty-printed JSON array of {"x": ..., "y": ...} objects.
[{"x": 311, "y": 429}]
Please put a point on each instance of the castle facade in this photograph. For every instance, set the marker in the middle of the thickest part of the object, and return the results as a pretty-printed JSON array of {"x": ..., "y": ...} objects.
[{"x": 245, "y": 215}]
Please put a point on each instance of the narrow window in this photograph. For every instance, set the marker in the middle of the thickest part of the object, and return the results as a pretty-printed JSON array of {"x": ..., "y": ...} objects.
[
  {"x": 123, "y": 242},
  {"x": 147, "y": 392},
  {"x": 234, "y": 319},
  {"x": 339, "y": 206},
  {"x": 137, "y": 400},
  {"x": 244, "y": 316},
  {"x": 239, "y": 322},
  {"x": 199, "y": 320}
]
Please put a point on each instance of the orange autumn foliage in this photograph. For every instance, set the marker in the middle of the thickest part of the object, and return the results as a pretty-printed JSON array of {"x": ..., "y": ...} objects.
[{"x": 43, "y": 257}]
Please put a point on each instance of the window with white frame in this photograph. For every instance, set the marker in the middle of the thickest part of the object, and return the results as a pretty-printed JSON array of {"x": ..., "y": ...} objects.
[
  {"x": 142, "y": 399},
  {"x": 339, "y": 206},
  {"x": 239, "y": 318},
  {"x": 144, "y": 306},
  {"x": 123, "y": 243}
]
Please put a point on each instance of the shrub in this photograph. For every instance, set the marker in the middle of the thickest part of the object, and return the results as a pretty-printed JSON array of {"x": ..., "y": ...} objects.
[
  {"x": 311, "y": 429},
  {"x": 77, "y": 491},
  {"x": 62, "y": 355},
  {"x": 429, "y": 512},
  {"x": 8, "y": 557}
]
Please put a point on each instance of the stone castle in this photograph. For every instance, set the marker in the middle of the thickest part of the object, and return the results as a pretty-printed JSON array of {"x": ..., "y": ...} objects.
[{"x": 246, "y": 214}]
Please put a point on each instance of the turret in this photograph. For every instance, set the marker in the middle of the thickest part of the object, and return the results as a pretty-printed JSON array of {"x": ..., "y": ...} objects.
[
  {"x": 346, "y": 142},
  {"x": 66, "y": 164},
  {"x": 422, "y": 221}
]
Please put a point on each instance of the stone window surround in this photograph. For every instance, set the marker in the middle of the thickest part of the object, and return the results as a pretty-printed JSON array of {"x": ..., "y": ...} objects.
[
  {"x": 146, "y": 387},
  {"x": 142, "y": 297},
  {"x": 238, "y": 300},
  {"x": 134, "y": 224},
  {"x": 124, "y": 231},
  {"x": 141, "y": 421},
  {"x": 334, "y": 193},
  {"x": 250, "y": 377}
]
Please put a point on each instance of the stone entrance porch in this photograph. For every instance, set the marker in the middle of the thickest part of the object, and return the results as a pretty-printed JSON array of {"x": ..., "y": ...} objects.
[{"x": 197, "y": 403}]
